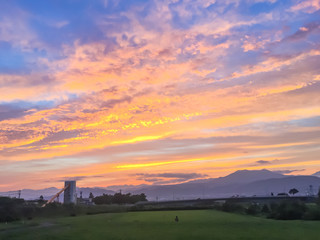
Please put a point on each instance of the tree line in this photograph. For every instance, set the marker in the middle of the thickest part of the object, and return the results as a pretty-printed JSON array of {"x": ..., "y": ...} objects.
[
  {"x": 285, "y": 210},
  {"x": 119, "y": 198}
]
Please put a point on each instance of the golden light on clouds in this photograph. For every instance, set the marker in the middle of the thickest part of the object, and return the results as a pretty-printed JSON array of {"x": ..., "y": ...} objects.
[{"x": 197, "y": 87}]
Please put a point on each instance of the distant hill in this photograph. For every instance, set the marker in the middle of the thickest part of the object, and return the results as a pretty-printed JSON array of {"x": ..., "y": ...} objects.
[
  {"x": 47, "y": 193},
  {"x": 301, "y": 183},
  {"x": 30, "y": 194},
  {"x": 243, "y": 182},
  {"x": 246, "y": 176},
  {"x": 316, "y": 174}
]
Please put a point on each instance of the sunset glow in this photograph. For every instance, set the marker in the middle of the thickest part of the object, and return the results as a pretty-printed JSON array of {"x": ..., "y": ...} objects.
[{"x": 106, "y": 91}]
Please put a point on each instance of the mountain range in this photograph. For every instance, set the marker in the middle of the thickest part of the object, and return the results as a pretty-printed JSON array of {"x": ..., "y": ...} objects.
[
  {"x": 243, "y": 183},
  {"x": 317, "y": 174}
]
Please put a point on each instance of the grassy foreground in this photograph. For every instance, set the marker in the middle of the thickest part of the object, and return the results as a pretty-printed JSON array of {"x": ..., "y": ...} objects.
[{"x": 193, "y": 224}]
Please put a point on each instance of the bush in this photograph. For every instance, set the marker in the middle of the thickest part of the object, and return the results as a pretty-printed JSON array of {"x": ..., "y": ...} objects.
[
  {"x": 288, "y": 210},
  {"x": 119, "y": 198},
  {"x": 10, "y": 209},
  {"x": 28, "y": 212},
  {"x": 312, "y": 213},
  {"x": 230, "y": 206},
  {"x": 265, "y": 209},
  {"x": 253, "y": 209}
]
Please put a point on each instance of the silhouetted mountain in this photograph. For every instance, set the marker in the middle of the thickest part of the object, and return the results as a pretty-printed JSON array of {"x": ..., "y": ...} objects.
[
  {"x": 316, "y": 174},
  {"x": 304, "y": 184},
  {"x": 268, "y": 186},
  {"x": 47, "y": 193},
  {"x": 246, "y": 176},
  {"x": 29, "y": 194},
  {"x": 242, "y": 182}
]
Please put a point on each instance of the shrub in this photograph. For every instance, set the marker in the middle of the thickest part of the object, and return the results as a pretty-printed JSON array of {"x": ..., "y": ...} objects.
[
  {"x": 10, "y": 209},
  {"x": 265, "y": 209},
  {"x": 253, "y": 209},
  {"x": 312, "y": 214},
  {"x": 288, "y": 210},
  {"x": 230, "y": 206},
  {"x": 119, "y": 198}
]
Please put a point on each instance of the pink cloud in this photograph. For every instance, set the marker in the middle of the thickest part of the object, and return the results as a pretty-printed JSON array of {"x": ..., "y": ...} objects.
[{"x": 308, "y": 6}]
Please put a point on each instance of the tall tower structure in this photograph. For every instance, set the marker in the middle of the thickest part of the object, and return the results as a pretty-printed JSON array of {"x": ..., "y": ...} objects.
[{"x": 70, "y": 194}]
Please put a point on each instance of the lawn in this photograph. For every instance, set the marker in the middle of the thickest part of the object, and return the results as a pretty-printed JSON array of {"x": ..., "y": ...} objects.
[{"x": 193, "y": 224}]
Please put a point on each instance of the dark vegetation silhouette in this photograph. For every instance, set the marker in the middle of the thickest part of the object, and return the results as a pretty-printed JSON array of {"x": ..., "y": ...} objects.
[
  {"x": 13, "y": 209},
  {"x": 91, "y": 195},
  {"x": 293, "y": 191},
  {"x": 284, "y": 210},
  {"x": 119, "y": 198}
]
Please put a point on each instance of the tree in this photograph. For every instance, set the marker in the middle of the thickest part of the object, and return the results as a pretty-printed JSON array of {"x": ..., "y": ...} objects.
[
  {"x": 288, "y": 210},
  {"x": 265, "y": 209},
  {"x": 91, "y": 195},
  {"x": 119, "y": 198},
  {"x": 41, "y": 200},
  {"x": 143, "y": 197},
  {"x": 293, "y": 191}
]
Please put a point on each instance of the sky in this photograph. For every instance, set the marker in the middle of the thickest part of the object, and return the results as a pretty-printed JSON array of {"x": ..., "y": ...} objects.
[{"x": 118, "y": 92}]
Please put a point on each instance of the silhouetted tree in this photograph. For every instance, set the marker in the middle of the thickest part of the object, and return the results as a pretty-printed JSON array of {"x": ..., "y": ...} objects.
[
  {"x": 253, "y": 209},
  {"x": 143, "y": 197},
  {"x": 10, "y": 209},
  {"x": 265, "y": 209},
  {"x": 293, "y": 191},
  {"x": 119, "y": 198},
  {"x": 288, "y": 210},
  {"x": 41, "y": 200},
  {"x": 91, "y": 195}
]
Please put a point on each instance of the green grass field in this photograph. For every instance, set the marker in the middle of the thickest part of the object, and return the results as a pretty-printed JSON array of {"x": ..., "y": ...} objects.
[{"x": 193, "y": 224}]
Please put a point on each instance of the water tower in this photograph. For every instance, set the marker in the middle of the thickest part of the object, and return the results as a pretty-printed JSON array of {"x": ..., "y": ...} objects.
[{"x": 70, "y": 194}]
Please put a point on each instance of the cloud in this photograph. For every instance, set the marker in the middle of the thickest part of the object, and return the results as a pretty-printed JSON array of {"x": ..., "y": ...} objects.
[
  {"x": 303, "y": 32},
  {"x": 263, "y": 162},
  {"x": 287, "y": 171},
  {"x": 90, "y": 84},
  {"x": 166, "y": 178},
  {"x": 112, "y": 102},
  {"x": 78, "y": 178},
  {"x": 8, "y": 111},
  {"x": 308, "y": 6}
]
